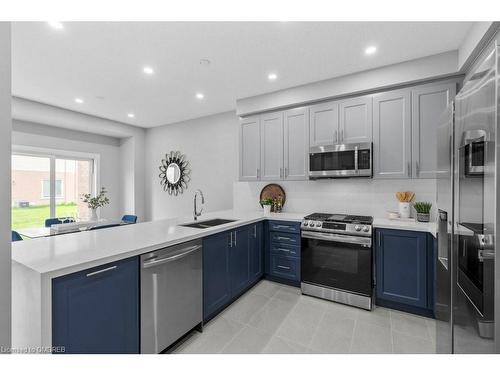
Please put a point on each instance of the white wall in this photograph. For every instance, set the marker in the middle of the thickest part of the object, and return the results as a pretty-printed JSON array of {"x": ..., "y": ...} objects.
[
  {"x": 210, "y": 144},
  {"x": 5, "y": 239},
  {"x": 357, "y": 196},
  {"x": 37, "y": 135},
  {"x": 408, "y": 72}
]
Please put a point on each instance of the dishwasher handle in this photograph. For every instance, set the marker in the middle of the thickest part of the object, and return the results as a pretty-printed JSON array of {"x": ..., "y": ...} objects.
[{"x": 156, "y": 261}]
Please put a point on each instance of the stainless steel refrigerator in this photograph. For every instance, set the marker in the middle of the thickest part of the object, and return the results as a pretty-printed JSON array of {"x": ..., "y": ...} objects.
[{"x": 467, "y": 279}]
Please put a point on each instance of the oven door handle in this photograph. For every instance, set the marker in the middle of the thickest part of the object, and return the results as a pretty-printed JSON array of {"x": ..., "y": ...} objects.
[{"x": 363, "y": 241}]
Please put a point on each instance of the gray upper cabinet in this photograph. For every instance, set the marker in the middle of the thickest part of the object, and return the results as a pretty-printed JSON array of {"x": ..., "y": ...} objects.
[
  {"x": 250, "y": 148},
  {"x": 296, "y": 145},
  {"x": 271, "y": 161},
  {"x": 392, "y": 134},
  {"x": 355, "y": 120},
  {"x": 429, "y": 102},
  {"x": 323, "y": 124}
]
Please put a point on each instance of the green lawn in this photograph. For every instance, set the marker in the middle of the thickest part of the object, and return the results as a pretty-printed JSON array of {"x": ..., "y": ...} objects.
[{"x": 35, "y": 216}]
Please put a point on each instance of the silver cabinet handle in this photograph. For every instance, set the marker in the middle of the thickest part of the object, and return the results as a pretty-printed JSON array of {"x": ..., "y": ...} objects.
[
  {"x": 281, "y": 172},
  {"x": 342, "y": 135},
  {"x": 286, "y": 172},
  {"x": 281, "y": 226},
  {"x": 417, "y": 169},
  {"x": 336, "y": 136},
  {"x": 409, "y": 169},
  {"x": 285, "y": 250},
  {"x": 235, "y": 238},
  {"x": 255, "y": 231},
  {"x": 283, "y": 267},
  {"x": 231, "y": 239},
  {"x": 101, "y": 271},
  {"x": 186, "y": 252}
]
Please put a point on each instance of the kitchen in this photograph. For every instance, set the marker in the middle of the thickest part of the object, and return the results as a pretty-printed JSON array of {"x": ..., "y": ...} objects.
[{"x": 308, "y": 218}]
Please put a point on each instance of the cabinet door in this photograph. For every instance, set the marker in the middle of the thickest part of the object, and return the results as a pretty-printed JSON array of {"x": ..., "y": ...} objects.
[
  {"x": 216, "y": 282},
  {"x": 97, "y": 310},
  {"x": 250, "y": 148},
  {"x": 272, "y": 146},
  {"x": 428, "y": 105},
  {"x": 401, "y": 267},
  {"x": 296, "y": 146},
  {"x": 356, "y": 120},
  {"x": 392, "y": 134},
  {"x": 239, "y": 261},
  {"x": 256, "y": 252},
  {"x": 323, "y": 124}
]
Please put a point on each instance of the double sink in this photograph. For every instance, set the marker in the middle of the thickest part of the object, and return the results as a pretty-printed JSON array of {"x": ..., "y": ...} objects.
[{"x": 207, "y": 223}]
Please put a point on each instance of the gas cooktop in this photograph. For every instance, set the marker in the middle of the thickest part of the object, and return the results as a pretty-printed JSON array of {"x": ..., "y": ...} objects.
[{"x": 342, "y": 218}]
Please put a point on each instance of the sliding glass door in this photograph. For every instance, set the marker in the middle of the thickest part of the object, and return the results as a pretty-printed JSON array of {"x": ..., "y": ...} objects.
[{"x": 47, "y": 186}]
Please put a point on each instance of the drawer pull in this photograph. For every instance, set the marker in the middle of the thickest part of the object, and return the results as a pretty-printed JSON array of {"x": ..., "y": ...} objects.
[
  {"x": 284, "y": 267},
  {"x": 285, "y": 238},
  {"x": 285, "y": 250},
  {"x": 101, "y": 271},
  {"x": 281, "y": 226}
]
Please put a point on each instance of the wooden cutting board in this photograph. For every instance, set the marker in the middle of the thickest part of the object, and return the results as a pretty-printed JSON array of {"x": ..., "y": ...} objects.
[{"x": 272, "y": 191}]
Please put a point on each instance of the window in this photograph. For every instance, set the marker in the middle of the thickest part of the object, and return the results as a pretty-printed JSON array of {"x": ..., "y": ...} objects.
[
  {"x": 46, "y": 185},
  {"x": 46, "y": 189}
]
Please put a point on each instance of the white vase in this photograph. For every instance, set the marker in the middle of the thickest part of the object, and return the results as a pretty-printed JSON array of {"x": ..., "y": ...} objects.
[
  {"x": 93, "y": 215},
  {"x": 267, "y": 209},
  {"x": 404, "y": 210}
]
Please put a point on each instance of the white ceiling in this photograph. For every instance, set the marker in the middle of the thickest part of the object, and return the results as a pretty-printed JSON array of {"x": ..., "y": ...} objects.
[{"x": 102, "y": 62}]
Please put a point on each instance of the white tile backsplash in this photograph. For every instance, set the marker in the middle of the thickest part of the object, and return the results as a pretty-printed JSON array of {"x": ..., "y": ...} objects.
[{"x": 352, "y": 196}]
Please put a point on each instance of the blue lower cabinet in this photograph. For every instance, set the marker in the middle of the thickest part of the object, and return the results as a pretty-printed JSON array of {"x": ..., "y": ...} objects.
[
  {"x": 232, "y": 262},
  {"x": 282, "y": 251},
  {"x": 97, "y": 310},
  {"x": 239, "y": 261},
  {"x": 216, "y": 277},
  {"x": 256, "y": 251},
  {"x": 404, "y": 270}
]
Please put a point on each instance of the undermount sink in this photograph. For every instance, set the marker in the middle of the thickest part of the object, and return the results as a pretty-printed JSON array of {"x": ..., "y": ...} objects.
[{"x": 207, "y": 223}]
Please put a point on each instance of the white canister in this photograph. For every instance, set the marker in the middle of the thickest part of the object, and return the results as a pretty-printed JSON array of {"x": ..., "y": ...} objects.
[
  {"x": 404, "y": 210},
  {"x": 267, "y": 209}
]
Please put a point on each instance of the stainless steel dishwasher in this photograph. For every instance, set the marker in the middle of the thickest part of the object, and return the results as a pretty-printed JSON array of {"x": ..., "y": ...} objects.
[{"x": 171, "y": 294}]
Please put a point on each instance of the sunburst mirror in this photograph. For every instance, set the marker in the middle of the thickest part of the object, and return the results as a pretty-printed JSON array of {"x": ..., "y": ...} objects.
[{"x": 175, "y": 173}]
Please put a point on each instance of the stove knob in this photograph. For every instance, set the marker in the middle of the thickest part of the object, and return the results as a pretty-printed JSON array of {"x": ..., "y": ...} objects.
[
  {"x": 357, "y": 228},
  {"x": 304, "y": 223},
  {"x": 311, "y": 223},
  {"x": 318, "y": 224},
  {"x": 365, "y": 228}
]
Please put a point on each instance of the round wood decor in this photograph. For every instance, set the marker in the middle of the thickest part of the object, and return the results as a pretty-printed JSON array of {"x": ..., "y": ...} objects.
[{"x": 272, "y": 191}]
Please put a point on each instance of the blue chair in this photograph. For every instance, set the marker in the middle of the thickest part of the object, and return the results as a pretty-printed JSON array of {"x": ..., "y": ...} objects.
[
  {"x": 16, "y": 236},
  {"x": 58, "y": 220},
  {"x": 129, "y": 219},
  {"x": 105, "y": 226}
]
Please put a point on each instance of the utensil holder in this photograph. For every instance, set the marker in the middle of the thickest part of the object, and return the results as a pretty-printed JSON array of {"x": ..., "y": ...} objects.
[{"x": 404, "y": 210}]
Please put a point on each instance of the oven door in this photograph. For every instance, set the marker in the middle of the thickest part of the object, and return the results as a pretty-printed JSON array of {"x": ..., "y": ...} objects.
[{"x": 337, "y": 261}]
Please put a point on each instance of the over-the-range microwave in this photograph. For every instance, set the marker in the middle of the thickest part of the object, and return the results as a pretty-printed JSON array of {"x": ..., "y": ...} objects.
[{"x": 340, "y": 160}]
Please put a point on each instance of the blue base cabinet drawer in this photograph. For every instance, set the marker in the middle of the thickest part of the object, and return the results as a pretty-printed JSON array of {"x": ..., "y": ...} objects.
[
  {"x": 96, "y": 311},
  {"x": 284, "y": 226},
  {"x": 285, "y": 267},
  {"x": 284, "y": 249},
  {"x": 285, "y": 238}
]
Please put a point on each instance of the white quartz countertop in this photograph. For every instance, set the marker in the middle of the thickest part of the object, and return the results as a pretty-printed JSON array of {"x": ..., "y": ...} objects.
[
  {"x": 59, "y": 255},
  {"x": 402, "y": 224}
]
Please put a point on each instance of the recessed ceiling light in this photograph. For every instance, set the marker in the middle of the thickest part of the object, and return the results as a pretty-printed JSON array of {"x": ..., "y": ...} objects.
[
  {"x": 148, "y": 70},
  {"x": 199, "y": 95},
  {"x": 79, "y": 100},
  {"x": 131, "y": 115},
  {"x": 272, "y": 76},
  {"x": 56, "y": 25},
  {"x": 370, "y": 50},
  {"x": 205, "y": 62}
]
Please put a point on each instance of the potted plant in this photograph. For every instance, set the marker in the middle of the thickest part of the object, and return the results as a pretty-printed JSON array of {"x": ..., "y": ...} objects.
[
  {"x": 95, "y": 202},
  {"x": 267, "y": 203},
  {"x": 423, "y": 211}
]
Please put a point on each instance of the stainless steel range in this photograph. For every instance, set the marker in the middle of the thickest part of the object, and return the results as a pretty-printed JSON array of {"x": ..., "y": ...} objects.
[{"x": 336, "y": 258}]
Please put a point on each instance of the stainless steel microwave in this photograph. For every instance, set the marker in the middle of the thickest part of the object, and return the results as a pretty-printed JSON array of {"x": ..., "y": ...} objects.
[{"x": 340, "y": 160}]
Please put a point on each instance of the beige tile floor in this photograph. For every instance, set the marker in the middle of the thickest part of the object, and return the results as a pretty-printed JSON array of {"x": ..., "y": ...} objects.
[{"x": 274, "y": 318}]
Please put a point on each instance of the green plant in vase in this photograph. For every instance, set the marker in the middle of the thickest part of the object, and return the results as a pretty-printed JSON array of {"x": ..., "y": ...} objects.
[
  {"x": 94, "y": 203},
  {"x": 267, "y": 204},
  {"x": 423, "y": 210}
]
